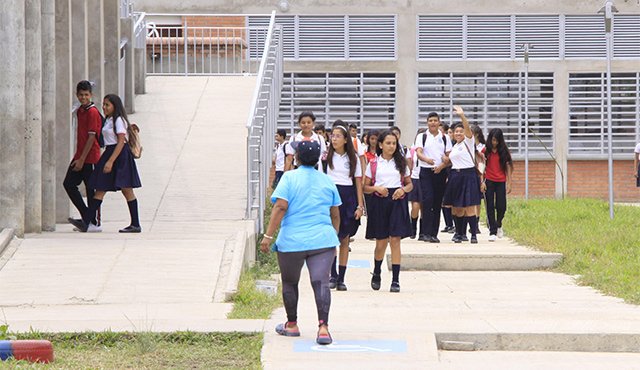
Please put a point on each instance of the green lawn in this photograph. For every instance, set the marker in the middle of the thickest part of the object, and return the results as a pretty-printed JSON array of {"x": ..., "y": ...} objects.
[
  {"x": 179, "y": 350},
  {"x": 605, "y": 253}
]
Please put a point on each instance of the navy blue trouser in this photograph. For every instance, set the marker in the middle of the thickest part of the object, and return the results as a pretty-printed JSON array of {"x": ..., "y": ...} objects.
[
  {"x": 432, "y": 186},
  {"x": 496, "y": 202}
]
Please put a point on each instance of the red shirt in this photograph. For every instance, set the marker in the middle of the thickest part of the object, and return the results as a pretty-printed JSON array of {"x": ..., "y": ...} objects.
[
  {"x": 369, "y": 155},
  {"x": 89, "y": 121},
  {"x": 493, "y": 171}
]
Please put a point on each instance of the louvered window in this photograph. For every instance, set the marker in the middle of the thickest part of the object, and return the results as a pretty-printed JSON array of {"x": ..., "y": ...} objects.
[
  {"x": 333, "y": 37},
  {"x": 584, "y": 37},
  {"x": 489, "y": 37},
  {"x": 541, "y": 31},
  {"x": 626, "y": 36},
  {"x": 366, "y": 99},
  {"x": 493, "y": 100},
  {"x": 440, "y": 37},
  {"x": 258, "y": 32},
  {"x": 588, "y": 112}
]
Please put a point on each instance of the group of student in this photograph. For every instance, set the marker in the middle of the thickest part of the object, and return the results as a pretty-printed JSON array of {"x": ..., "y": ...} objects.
[
  {"x": 111, "y": 169},
  {"x": 448, "y": 169}
]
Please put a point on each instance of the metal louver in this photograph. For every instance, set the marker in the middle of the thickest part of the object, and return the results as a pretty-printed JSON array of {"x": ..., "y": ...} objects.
[
  {"x": 542, "y": 32},
  {"x": 440, "y": 37},
  {"x": 584, "y": 37},
  {"x": 489, "y": 37},
  {"x": 626, "y": 36},
  {"x": 372, "y": 37}
]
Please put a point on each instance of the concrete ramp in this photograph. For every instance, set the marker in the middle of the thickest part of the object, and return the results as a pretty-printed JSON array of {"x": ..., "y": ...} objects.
[{"x": 176, "y": 274}]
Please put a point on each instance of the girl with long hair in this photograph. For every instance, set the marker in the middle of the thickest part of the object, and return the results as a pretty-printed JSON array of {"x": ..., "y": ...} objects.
[{"x": 497, "y": 182}]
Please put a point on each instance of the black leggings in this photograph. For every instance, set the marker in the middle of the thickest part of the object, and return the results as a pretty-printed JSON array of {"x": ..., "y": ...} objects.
[
  {"x": 496, "y": 202},
  {"x": 319, "y": 264}
]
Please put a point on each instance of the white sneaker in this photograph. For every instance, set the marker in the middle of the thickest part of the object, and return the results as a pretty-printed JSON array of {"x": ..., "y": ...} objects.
[
  {"x": 492, "y": 238},
  {"x": 500, "y": 233},
  {"x": 94, "y": 228}
]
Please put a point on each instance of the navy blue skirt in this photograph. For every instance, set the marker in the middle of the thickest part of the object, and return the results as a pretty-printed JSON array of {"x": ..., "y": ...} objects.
[
  {"x": 463, "y": 188},
  {"x": 124, "y": 173},
  {"x": 638, "y": 178},
  {"x": 415, "y": 195},
  {"x": 348, "y": 223},
  {"x": 387, "y": 217}
]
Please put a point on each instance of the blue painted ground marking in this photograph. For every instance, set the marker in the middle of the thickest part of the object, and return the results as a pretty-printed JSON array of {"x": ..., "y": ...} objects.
[
  {"x": 362, "y": 264},
  {"x": 359, "y": 346}
]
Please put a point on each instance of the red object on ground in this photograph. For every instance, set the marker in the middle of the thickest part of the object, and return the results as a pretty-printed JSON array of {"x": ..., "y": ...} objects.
[{"x": 33, "y": 350}]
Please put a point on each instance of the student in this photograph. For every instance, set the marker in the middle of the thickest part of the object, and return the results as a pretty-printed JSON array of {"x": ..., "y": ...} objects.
[
  {"x": 279, "y": 156},
  {"x": 89, "y": 124},
  {"x": 372, "y": 145},
  {"x": 396, "y": 131},
  {"x": 343, "y": 167},
  {"x": 414, "y": 195},
  {"x": 432, "y": 148},
  {"x": 497, "y": 182},
  {"x": 636, "y": 164},
  {"x": 446, "y": 212},
  {"x": 360, "y": 149},
  {"x": 387, "y": 177},
  {"x": 305, "y": 121},
  {"x": 116, "y": 169},
  {"x": 321, "y": 130},
  {"x": 463, "y": 190},
  {"x": 480, "y": 161}
]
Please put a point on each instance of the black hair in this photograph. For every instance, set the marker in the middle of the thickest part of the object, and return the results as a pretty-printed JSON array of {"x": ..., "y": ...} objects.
[
  {"x": 118, "y": 108},
  {"x": 477, "y": 132},
  {"x": 319, "y": 126},
  {"x": 310, "y": 161},
  {"x": 502, "y": 150},
  {"x": 445, "y": 127},
  {"x": 282, "y": 132},
  {"x": 455, "y": 126},
  {"x": 84, "y": 85},
  {"x": 398, "y": 158},
  {"x": 353, "y": 125},
  {"x": 433, "y": 114},
  {"x": 394, "y": 128},
  {"x": 348, "y": 146},
  {"x": 306, "y": 114},
  {"x": 368, "y": 142}
]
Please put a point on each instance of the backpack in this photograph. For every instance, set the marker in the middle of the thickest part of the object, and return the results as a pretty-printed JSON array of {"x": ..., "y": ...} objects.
[
  {"x": 424, "y": 140},
  {"x": 374, "y": 168},
  {"x": 134, "y": 143},
  {"x": 99, "y": 134}
]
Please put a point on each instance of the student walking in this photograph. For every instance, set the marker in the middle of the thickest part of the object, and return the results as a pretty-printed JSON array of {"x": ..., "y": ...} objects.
[
  {"x": 636, "y": 164},
  {"x": 279, "y": 156},
  {"x": 89, "y": 125},
  {"x": 432, "y": 148},
  {"x": 446, "y": 212},
  {"x": 463, "y": 189},
  {"x": 372, "y": 145},
  {"x": 343, "y": 167},
  {"x": 306, "y": 133},
  {"x": 116, "y": 170},
  {"x": 480, "y": 162},
  {"x": 415, "y": 197},
  {"x": 497, "y": 182},
  {"x": 387, "y": 177}
]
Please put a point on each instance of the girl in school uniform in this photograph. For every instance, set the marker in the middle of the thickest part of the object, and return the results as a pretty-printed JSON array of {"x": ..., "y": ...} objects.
[
  {"x": 372, "y": 145},
  {"x": 480, "y": 162},
  {"x": 306, "y": 133},
  {"x": 636, "y": 164},
  {"x": 463, "y": 189},
  {"x": 343, "y": 167},
  {"x": 116, "y": 170},
  {"x": 387, "y": 178},
  {"x": 414, "y": 196},
  {"x": 497, "y": 182}
]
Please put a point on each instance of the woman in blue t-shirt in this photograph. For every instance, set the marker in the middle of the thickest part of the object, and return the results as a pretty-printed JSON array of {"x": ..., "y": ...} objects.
[{"x": 307, "y": 204}]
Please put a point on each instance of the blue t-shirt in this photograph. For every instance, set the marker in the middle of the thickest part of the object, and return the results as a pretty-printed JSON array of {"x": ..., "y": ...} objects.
[{"x": 307, "y": 223}]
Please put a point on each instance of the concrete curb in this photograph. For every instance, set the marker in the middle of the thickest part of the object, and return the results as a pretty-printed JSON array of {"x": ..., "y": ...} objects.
[
  {"x": 237, "y": 265},
  {"x": 6, "y": 235},
  {"x": 478, "y": 262}
]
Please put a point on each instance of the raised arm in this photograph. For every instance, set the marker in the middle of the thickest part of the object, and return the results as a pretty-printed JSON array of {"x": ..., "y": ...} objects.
[{"x": 465, "y": 123}]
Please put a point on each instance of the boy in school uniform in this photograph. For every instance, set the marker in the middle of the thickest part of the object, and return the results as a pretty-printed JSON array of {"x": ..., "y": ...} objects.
[
  {"x": 279, "y": 155},
  {"x": 89, "y": 126}
]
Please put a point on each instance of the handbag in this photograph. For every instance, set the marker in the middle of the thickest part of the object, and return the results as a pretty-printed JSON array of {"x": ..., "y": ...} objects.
[{"x": 135, "y": 145}]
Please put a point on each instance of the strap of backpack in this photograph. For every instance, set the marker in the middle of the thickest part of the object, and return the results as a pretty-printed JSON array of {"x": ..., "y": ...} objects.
[{"x": 374, "y": 167}]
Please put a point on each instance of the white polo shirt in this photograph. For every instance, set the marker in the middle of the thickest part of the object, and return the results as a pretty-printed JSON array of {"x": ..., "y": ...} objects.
[
  {"x": 340, "y": 172},
  {"x": 434, "y": 148},
  {"x": 360, "y": 147},
  {"x": 280, "y": 155},
  {"x": 110, "y": 137},
  {"x": 386, "y": 173},
  {"x": 313, "y": 137},
  {"x": 460, "y": 156},
  {"x": 637, "y": 151}
]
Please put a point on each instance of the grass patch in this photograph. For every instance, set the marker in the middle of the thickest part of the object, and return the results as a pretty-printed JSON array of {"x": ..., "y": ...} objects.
[
  {"x": 249, "y": 302},
  {"x": 178, "y": 350},
  {"x": 605, "y": 253}
]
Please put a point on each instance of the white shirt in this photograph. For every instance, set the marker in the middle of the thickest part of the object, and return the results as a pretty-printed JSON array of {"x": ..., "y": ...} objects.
[
  {"x": 360, "y": 147},
  {"x": 434, "y": 148},
  {"x": 460, "y": 156},
  {"x": 340, "y": 172},
  {"x": 386, "y": 173},
  {"x": 108, "y": 135},
  {"x": 480, "y": 147},
  {"x": 637, "y": 151},
  {"x": 280, "y": 155},
  {"x": 313, "y": 137}
]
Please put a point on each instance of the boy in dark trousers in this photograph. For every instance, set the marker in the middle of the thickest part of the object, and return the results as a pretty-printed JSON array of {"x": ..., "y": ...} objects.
[{"x": 87, "y": 151}]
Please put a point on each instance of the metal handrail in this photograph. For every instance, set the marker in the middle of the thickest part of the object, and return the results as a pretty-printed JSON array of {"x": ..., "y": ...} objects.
[
  {"x": 140, "y": 30},
  {"x": 262, "y": 122}
]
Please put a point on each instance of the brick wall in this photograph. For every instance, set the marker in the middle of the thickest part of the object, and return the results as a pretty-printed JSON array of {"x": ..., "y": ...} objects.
[
  {"x": 542, "y": 179},
  {"x": 221, "y": 21},
  {"x": 590, "y": 179}
]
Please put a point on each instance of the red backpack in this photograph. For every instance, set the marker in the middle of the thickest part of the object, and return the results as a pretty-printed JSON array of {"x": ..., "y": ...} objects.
[{"x": 374, "y": 168}]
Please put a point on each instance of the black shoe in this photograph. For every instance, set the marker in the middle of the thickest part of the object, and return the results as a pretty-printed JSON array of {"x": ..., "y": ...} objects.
[
  {"x": 477, "y": 231},
  {"x": 446, "y": 229},
  {"x": 456, "y": 239},
  {"x": 341, "y": 286},
  {"x": 452, "y": 230},
  {"x": 474, "y": 240},
  {"x": 412, "y": 236},
  {"x": 395, "y": 287},
  {"x": 131, "y": 229},
  {"x": 434, "y": 239},
  {"x": 79, "y": 224},
  {"x": 424, "y": 238},
  {"x": 375, "y": 281},
  {"x": 464, "y": 238},
  {"x": 333, "y": 282}
]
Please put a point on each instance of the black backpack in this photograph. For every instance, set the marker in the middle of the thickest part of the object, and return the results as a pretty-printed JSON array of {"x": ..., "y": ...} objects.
[{"x": 98, "y": 134}]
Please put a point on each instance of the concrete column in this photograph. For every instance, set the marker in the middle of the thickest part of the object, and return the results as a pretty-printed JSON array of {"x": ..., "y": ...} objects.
[
  {"x": 561, "y": 126},
  {"x": 111, "y": 47},
  {"x": 127, "y": 30},
  {"x": 95, "y": 16},
  {"x": 64, "y": 96},
  {"x": 406, "y": 74},
  {"x": 33, "y": 113},
  {"x": 12, "y": 115},
  {"x": 141, "y": 70},
  {"x": 48, "y": 116},
  {"x": 79, "y": 41}
]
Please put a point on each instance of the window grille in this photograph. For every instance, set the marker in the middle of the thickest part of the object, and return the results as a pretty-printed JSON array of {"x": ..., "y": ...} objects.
[
  {"x": 366, "y": 99},
  {"x": 492, "y": 100},
  {"x": 626, "y": 36},
  {"x": 440, "y": 37},
  {"x": 588, "y": 127},
  {"x": 489, "y": 37},
  {"x": 584, "y": 37},
  {"x": 542, "y": 31},
  {"x": 334, "y": 37}
]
